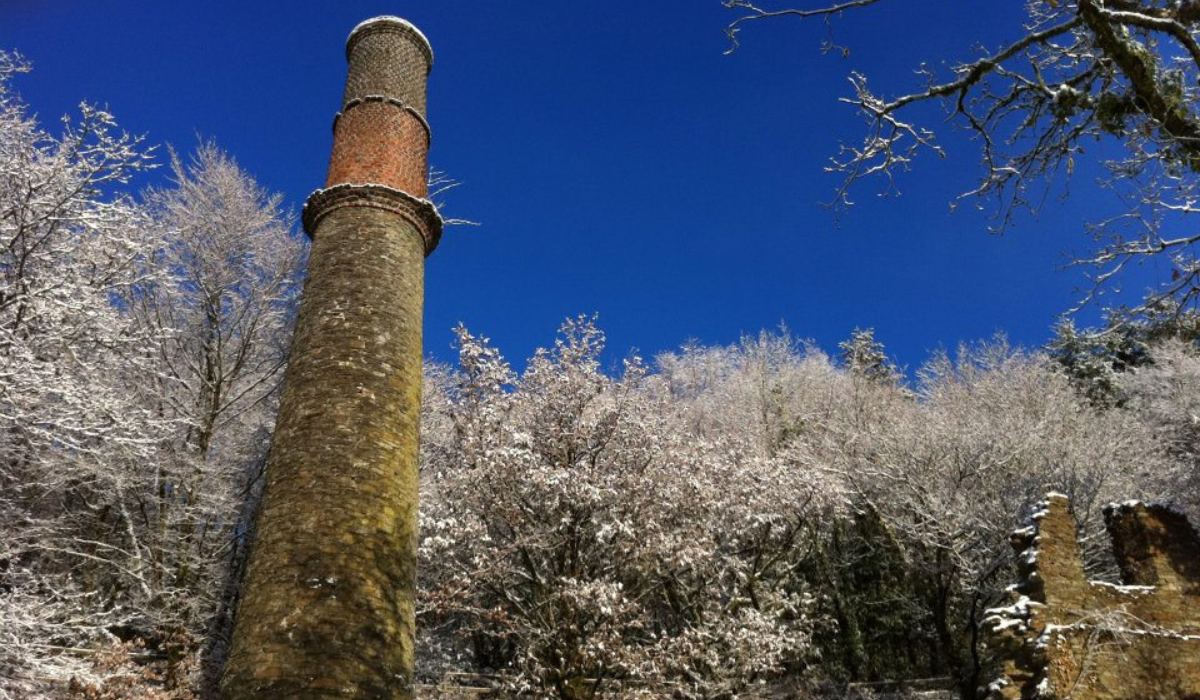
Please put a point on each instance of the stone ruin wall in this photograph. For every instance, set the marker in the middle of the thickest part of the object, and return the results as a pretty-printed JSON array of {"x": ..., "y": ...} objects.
[{"x": 1067, "y": 637}]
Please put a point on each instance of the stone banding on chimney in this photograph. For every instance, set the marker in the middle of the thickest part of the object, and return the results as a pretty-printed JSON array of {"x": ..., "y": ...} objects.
[{"x": 420, "y": 213}]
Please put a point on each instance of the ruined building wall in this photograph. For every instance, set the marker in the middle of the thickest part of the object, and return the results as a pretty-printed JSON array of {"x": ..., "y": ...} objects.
[
  {"x": 1067, "y": 637},
  {"x": 327, "y": 602}
]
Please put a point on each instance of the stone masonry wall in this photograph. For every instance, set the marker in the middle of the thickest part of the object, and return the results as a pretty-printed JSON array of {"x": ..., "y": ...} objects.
[
  {"x": 327, "y": 607},
  {"x": 1067, "y": 637}
]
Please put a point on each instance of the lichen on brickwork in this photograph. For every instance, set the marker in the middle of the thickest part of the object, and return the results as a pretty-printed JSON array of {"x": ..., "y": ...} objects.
[{"x": 1064, "y": 636}]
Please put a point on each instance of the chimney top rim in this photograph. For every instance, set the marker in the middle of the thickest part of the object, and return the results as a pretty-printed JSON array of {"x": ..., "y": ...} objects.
[{"x": 385, "y": 22}]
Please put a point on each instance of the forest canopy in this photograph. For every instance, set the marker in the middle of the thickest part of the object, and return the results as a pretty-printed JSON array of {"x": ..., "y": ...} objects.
[{"x": 701, "y": 523}]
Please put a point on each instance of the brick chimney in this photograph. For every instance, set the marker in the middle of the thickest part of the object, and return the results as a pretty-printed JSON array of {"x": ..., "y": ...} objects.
[{"x": 327, "y": 601}]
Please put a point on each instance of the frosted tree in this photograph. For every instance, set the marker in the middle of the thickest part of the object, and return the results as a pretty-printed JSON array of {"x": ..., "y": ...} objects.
[
  {"x": 139, "y": 349},
  {"x": 225, "y": 286},
  {"x": 952, "y": 473},
  {"x": 865, "y": 357},
  {"x": 924, "y": 486},
  {"x": 72, "y": 436},
  {"x": 1166, "y": 397},
  {"x": 579, "y": 536}
]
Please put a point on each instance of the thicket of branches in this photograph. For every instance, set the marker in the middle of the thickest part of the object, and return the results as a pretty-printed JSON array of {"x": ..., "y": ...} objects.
[
  {"x": 733, "y": 516},
  {"x": 141, "y": 339}
]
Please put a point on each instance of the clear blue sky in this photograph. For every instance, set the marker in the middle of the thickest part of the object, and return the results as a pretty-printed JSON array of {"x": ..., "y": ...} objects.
[{"x": 618, "y": 161}]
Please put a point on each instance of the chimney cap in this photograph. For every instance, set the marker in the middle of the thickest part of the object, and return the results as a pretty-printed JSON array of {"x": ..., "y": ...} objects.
[{"x": 394, "y": 24}]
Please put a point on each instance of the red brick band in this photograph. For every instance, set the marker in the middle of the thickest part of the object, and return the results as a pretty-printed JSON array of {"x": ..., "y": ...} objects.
[
  {"x": 381, "y": 144},
  {"x": 392, "y": 101}
]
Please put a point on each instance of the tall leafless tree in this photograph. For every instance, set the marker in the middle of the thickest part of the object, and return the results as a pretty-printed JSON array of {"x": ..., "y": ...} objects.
[{"x": 1080, "y": 70}]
